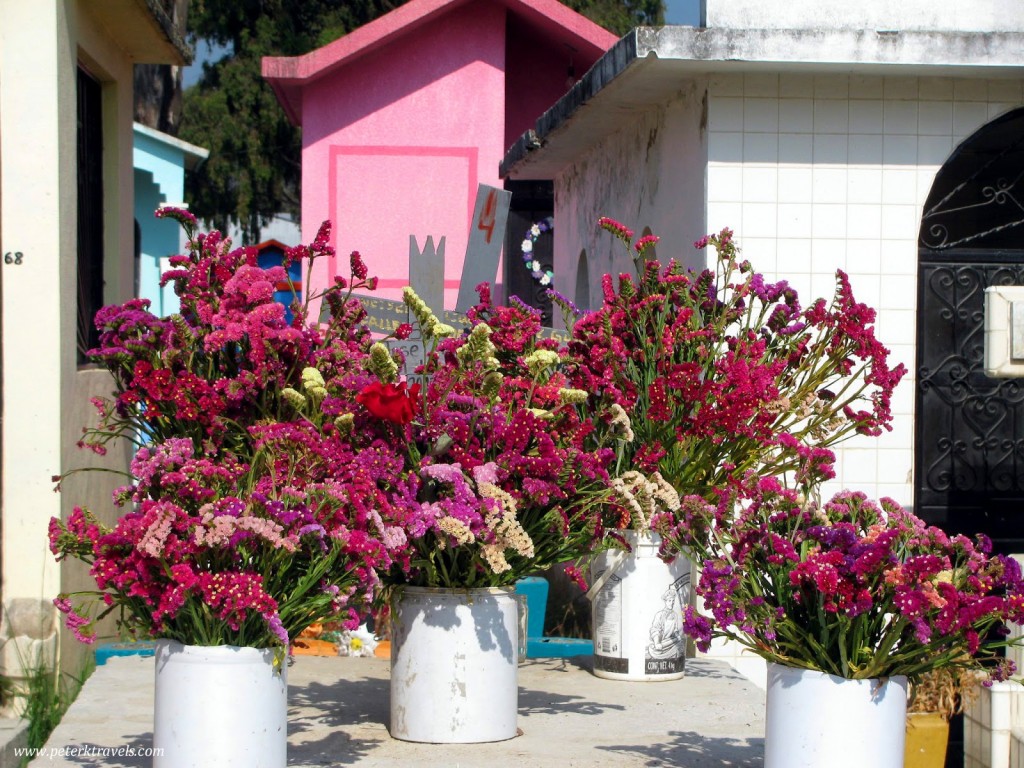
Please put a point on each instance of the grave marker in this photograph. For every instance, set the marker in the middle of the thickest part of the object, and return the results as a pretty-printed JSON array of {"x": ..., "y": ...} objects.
[{"x": 426, "y": 277}]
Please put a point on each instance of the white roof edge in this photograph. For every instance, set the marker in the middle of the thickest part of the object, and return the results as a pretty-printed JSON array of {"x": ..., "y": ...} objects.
[
  {"x": 192, "y": 150},
  {"x": 640, "y": 67}
]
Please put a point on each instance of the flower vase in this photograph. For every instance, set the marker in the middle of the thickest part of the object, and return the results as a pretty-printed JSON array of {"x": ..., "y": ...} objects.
[
  {"x": 638, "y": 612},
  {"x": 927, "y": 740},
  {"x": 219, "y": 705},
  {"x": 813, "y": 719},
  {"x": 454, "y": 665}
]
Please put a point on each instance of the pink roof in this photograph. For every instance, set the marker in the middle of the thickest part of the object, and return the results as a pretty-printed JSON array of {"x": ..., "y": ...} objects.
[{"x": 288, "y": 75}]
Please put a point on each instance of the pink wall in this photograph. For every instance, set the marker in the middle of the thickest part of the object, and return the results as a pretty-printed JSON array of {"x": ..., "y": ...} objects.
[
  {"x": 537, "y": 70},
  {"x": 396, "y": 141}
]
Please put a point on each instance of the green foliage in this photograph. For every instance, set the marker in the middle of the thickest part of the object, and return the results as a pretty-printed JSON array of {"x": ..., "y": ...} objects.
[
  {"x": 47, "y": 698},
  {"x": 253, "y": 171},
  {"x": 620, "y": 16}
]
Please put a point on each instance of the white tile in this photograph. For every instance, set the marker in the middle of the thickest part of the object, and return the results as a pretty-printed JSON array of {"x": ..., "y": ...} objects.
[
  {"x": 761, "y": 148},
  {"x": 900, "y": 117},
  {"x": 757, "y": 84},
  {"x": 725, "y": 147},
  {"x": 725, "y": 183},
  {"x": 831, "y": 116},
  {"x": 894, "y": 467},
  {"x": 935, "y": 118},
  {"x": 830, "y": 149},
  {"x": 903, "y": 396},
  {"x": 828, "y": 221},
  {"x": 796, "y": 148},
  {"x": 899, "y": 257},
  {"x": 936, "y": 88},
  {"x": 899, "y": 150},
  {"x": 865, "y": 149},
  {"x": 900, "y": 88},
  {"x": 796, "y": 85},
  {"x": 968, "y": 117},
  {"x": 925, "y": 180},
  {"x": 725, "y": 114},
  {"x": 795, "y": 184},
  {"x": 828, "y": 253},
  {"x": 866, "y": 87},
  {"x": 760, "y": 115},
  {"x": 897, "y": 326},
  {"x": 796, "y": 115},
  {"x": 859, "y": 466},
  {"x": 864, "y": 257},
  {"x": 969, "y": 89},
  {"x": 899, "y": 222},
  {"x": 1005, "y": 90},
  {"x": 760, "y": 185},
  {"x": 793, "y": 256},
  {"x": 722, "y": 215},
  {"x": 863, "y": 185},
  {"x": 831, "y": 86},
  {"x": 864, "y": 222},
  {"x": 895, "y": 290},
  {"x": 902, "y": 353},
  {"x": 998, "y": 109},
  {"x": 934, "y": 150},
  {"x": 760, "y": 220},
  {"x": 822, "y": 284},
  {"x": 866, "y": 116},
  {"x": 901, "y": 493},
  {"x": 828, "y": 185},
  {"x": 726, "y": 85},
  {"x": 761, "y": 253},
  {"x": 899, "y": 185},
  {"x": 794, "y": 220}
]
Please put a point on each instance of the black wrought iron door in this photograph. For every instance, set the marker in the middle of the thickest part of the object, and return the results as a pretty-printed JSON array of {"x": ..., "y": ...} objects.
[
  {"x": 970, "y": 428},
  {"x": 969, "y": 436}
]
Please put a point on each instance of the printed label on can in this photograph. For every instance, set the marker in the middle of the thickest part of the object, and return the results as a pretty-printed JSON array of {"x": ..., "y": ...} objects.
[
  {"x": 666, "y": 652},
  {"x": 608, "y": 619}
]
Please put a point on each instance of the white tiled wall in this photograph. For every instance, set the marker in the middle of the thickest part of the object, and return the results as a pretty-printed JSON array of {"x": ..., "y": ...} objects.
[{"x": 816, "y": 173}]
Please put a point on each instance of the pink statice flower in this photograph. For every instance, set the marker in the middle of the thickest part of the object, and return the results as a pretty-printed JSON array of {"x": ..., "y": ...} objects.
[{"x": 850, "y": 587}]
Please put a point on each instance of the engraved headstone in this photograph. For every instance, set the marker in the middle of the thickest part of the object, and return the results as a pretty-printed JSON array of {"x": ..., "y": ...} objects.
[{"x": 486, "y": 237}]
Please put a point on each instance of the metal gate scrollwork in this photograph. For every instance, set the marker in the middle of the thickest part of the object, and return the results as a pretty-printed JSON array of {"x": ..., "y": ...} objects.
[{"x": 969, "y": 435}]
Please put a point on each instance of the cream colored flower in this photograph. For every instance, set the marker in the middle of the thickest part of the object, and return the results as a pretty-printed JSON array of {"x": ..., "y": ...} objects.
[
  {"x": 381, "y": 364},
  {"x": 572, "y": 396}
]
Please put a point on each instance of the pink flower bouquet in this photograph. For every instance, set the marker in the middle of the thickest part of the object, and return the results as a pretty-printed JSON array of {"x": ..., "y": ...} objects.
[
  {"x": 251, "y": 510},
  {"x": 850, "y": 587}
]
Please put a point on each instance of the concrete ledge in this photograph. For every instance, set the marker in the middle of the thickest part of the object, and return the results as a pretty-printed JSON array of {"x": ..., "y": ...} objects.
[
  {"x": 13, "y": 739},
  {"x": 338, "y": 715}
]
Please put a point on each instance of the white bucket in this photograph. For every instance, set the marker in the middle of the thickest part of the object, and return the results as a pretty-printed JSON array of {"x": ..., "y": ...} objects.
[
  {"x": 219, "y": 705},
  {"x": 813, "y": 719},
  {"x": 638, "y": 612},
  {"x": 454, "y": 665}
]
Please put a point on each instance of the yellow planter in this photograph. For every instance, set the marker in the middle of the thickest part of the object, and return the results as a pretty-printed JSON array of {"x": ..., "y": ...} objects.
[{"x": 927, "y": 735}]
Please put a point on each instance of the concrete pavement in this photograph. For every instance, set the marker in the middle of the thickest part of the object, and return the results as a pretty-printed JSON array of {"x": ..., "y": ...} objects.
[{"x": 338, "y": 715}]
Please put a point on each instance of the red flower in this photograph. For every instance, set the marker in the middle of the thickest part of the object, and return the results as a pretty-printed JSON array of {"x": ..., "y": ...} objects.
[{"x": 390, "y": 401}]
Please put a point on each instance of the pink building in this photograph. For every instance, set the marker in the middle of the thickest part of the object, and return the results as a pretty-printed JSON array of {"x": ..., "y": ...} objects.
[{"x": 403, "y": 117}]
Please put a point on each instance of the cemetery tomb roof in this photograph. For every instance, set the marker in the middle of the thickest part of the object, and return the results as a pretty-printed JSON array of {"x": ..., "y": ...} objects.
[
  {"x": 550, "y": 19},
  {"x": 650, "y": 65}
]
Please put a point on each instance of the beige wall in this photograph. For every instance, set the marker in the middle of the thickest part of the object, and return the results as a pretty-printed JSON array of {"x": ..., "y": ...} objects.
[
  {"x": 649, "y": 175},
  {"x": 45, "y": 396}
]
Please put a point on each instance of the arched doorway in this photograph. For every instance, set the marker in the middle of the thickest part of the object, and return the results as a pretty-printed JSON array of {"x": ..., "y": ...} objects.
[{"x": 969, "y": 435}]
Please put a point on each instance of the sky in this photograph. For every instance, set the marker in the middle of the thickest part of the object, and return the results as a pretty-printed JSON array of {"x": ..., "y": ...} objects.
[{"x": 682, "y": 12}]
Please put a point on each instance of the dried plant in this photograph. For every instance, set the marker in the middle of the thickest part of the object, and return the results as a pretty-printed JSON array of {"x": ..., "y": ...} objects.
[{"x": 944, "y": 691}]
